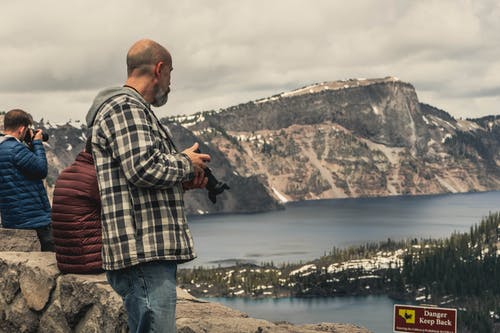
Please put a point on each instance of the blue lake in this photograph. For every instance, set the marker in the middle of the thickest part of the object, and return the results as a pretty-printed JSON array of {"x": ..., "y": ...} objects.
[
  {"x": 306, "y": 230},
  {"x": 372, "y": 312}
]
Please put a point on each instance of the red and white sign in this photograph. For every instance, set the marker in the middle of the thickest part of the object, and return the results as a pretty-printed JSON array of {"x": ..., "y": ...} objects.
[{"x": 421, "y": 319}]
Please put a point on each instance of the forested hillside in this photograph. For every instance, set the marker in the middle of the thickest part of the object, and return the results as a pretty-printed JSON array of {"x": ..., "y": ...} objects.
[{"x": 462, "y": 271}]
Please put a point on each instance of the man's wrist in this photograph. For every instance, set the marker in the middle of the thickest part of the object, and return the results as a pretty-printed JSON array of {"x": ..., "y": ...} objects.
[{"x": 190, "y": 167}]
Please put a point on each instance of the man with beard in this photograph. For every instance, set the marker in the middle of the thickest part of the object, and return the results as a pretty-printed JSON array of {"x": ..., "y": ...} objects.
[{"x": 142, "y": 177}]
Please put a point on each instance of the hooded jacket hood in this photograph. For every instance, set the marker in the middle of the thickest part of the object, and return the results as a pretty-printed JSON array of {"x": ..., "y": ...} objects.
[
  {"x": 4, "y": 138},
  {"x": 103, "y": 96}
]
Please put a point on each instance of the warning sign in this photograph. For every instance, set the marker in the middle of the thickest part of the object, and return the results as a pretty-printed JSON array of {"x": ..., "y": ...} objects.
[{"x": 409, "y": 318}]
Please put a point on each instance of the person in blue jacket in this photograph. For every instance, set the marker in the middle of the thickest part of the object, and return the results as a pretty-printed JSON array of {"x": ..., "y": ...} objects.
[{"x": 23, "y": 199}]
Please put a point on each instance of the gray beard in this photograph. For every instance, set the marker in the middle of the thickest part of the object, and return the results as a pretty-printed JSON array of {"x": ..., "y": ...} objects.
[{"x": 161, "y": 98}]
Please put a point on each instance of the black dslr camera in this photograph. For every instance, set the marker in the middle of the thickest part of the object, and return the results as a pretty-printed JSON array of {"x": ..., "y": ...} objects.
[
  {"x": 214, "y": 187},
  {"x": 28, "y": 137}
]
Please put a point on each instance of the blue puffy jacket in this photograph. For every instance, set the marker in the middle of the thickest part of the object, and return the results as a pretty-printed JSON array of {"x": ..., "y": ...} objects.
[{"x": 23, "y": 199}]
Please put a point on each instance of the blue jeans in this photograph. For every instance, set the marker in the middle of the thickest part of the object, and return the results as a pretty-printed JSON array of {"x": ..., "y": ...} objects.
[{"x": 148, "y": 291}]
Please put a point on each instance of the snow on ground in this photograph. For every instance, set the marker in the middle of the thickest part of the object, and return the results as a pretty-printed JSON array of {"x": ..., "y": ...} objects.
[
  {"x": 447, "y": 136},
  {"x": 303, "y": 269},
  {"x": 382, "y": 260},
  {"x": 280, "y": 196},
  {"x": 333, "y": 85}
]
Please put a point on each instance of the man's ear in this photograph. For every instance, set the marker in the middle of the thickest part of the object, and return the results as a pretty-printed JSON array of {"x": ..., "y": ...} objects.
[
  {"x": 22, "y": 131},
  {"x": 158, "y": 69}
]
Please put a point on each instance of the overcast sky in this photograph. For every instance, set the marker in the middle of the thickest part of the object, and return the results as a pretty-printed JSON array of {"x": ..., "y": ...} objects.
[{"x": 55, "y": 57}]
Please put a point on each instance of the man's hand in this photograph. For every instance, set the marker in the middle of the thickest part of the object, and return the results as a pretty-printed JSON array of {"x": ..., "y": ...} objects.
[
  {"x": 196, "y": 158},
  {"x": 38, "y": 135},
  {"x": 199, "y": 180}
]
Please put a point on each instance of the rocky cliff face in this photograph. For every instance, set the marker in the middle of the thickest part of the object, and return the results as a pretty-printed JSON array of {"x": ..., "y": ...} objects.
[
  {"x": 353, "y": 138},
  {"x": 36, "y": 297},
  {"x": 248, "y": 194},
  {"x": 339, "y": 139}
]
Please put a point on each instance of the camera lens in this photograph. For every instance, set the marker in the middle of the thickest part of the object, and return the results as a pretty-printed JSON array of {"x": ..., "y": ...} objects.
[{"x": 214, "y": 187}]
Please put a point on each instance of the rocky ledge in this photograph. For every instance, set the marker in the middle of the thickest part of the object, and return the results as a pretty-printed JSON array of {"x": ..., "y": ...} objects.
[{"x": 36, "y": 297}]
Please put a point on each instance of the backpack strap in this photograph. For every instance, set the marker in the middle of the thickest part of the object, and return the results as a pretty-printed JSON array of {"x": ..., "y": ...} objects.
[{"x": 88, "y": 144}]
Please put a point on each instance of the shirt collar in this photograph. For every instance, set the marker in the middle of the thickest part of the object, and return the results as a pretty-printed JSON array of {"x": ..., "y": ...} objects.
[{"x": 11, "y": 136}]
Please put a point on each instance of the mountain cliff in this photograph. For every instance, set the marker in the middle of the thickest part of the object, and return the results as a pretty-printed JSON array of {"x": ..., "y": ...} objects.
[
  {"x": 350, "y": 138},
  {"x": 353, "y": 138}
]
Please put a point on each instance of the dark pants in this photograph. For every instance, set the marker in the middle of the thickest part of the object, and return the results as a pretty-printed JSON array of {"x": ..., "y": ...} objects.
[{"x": 45, "y": 237}]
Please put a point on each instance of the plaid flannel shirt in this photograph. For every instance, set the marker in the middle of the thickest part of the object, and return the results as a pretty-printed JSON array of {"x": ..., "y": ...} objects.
[{"x": 140, "y": 175}]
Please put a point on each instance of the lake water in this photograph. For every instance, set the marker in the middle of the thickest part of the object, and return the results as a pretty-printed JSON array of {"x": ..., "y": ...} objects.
[
  {"x": 306, "y": 230},
  {"x": 372, "y": 312}
]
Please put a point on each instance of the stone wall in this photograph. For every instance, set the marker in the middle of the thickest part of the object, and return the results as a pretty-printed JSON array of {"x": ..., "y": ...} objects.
[{"x": 36, "y": 297}]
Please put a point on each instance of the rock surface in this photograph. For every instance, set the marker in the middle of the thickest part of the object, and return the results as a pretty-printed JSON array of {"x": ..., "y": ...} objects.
[
  {"x": 18, "y": 240},
  {"x": 349, "y": 139},
  {"x": 36, "y": 297}
]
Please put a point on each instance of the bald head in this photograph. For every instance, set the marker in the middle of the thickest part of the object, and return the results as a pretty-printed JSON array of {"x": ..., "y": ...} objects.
[{"x": 143, "y": 55}]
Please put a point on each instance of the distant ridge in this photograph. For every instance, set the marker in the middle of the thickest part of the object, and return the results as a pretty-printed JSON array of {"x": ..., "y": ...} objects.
[
  {"x": 330, "y": 85},
  {"x": 352, "y": 138},
  {"x": 336, "y": 139}
]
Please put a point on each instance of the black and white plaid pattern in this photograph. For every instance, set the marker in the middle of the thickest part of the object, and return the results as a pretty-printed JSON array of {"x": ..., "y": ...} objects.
[{"x": 140, "y": 175}]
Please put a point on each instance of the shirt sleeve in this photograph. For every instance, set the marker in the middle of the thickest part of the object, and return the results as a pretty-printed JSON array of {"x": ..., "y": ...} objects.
[
  {"x": 32, "y": 164},
  {"x": 142, "y": 155}
]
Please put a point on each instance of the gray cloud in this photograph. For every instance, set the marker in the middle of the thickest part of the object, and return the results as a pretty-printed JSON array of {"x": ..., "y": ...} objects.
[{"x": 57, "y": 55}]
